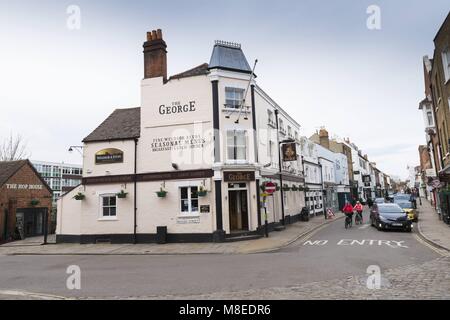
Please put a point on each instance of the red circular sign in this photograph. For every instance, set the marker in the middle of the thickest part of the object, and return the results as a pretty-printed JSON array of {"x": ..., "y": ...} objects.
[{"x": 270, "y": 187}]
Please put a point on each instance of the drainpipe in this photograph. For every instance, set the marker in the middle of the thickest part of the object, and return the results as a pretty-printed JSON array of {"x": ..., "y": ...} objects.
[
  {"x": 280, "y": 165},
  {"x": 135, "y": 192}
]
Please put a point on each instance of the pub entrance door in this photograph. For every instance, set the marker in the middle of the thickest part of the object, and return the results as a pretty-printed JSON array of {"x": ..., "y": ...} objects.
[{"x": 238, "y": 207}]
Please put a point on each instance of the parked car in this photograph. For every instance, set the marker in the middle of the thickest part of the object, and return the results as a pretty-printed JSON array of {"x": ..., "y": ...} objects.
[
  {"x": 402, "y": 197},
  {"x": 380, "y": 200},
  {"x": 408, "y": 207},
  {"x": 385, "y": 216}
]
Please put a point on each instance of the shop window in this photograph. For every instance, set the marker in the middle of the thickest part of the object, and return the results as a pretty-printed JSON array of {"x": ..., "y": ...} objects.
[
  {"x": 109, "y": 206},
  {"x": 189, "y": 200},
  {"x": 234, "y": 97}
]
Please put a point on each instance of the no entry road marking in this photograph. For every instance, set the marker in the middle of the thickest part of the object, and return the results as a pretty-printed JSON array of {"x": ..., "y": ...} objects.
[{"x": 351, "y": 242}]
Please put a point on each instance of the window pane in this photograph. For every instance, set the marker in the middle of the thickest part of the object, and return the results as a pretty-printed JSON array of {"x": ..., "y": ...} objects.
[
  {"x": 240, "y": 138},
  {"x": 105, "y": 201},
  {"x": 240, "y": 153},
  {"x": 184, "y": 193},
  {"x": 184, "y": 206},
  {"x": 194, "y": 194},
  {"x": 194, "y": 205},
  {"x": 231, "y": 154},
  {"x": 112, "y": 201},
  {"x": 105, "y": 211},
  {"x": 112, "y": 211}
]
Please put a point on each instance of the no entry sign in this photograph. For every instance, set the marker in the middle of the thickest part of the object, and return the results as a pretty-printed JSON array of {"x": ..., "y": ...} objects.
[{"x": 270, "y": 187}]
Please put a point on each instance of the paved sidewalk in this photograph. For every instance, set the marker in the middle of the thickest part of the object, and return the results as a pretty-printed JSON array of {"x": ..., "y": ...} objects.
[
  {"x": 431, "y": 228},
  {"x": 275, "y": 241}
]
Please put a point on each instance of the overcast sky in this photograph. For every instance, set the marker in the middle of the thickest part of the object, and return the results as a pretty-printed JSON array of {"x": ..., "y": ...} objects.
[{"x": 317, "y": 59}]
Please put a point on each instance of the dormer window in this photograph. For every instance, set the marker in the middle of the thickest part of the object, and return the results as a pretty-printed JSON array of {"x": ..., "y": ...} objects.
[{"x": 233, "y": 97}]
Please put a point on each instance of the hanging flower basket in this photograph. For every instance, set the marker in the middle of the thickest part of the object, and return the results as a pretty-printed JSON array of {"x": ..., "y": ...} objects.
[
  {"x": 161, "y": 193},
  {"x": 122, "y": 194},
  {"x": 202, "y": 192},
  {"x": 286, "y": 188},
  {"x": 295, "y": 188},
  {"x": 79, "y": 196},
  {"x": 34, "y": 202}
]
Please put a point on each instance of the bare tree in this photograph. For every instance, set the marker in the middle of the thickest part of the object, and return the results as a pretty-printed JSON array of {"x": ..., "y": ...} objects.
[{"x": 13, "y": 148}]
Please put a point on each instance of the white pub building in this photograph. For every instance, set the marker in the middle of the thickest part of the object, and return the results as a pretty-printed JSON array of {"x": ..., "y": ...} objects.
[{"x": 190, "y": 164}]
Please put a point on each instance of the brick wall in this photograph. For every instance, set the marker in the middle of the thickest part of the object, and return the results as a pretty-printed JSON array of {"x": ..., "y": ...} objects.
[{"x": 12, "y": 199}]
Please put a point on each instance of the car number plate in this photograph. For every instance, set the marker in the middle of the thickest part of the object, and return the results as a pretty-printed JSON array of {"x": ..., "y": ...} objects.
[{"x": 397, "y": 224}]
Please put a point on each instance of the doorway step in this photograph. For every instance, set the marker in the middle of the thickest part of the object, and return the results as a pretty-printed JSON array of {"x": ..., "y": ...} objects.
[{"x": 242, "y": 236}]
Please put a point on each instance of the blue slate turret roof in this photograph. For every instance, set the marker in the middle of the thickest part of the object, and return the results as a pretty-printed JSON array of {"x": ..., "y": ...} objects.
[{"x": 229, "y": 56}]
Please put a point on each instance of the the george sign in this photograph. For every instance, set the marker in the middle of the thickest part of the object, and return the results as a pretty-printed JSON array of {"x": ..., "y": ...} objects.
[
  {"x": 110, "y": 155},
  {"x": 177, "y": 107},
  {"x": 239, "y": 176},
  {"x": 205, "y": 209},
  {"x": 289, "y": 152},
  {"x": 270, "y": 187}
]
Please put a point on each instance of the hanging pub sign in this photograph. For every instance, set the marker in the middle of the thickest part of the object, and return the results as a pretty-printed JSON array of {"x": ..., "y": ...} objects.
[
  {"x": 289, "y": 152},
  {"x": 366, "y": 179},
  {"x": 109, "y": 156}
]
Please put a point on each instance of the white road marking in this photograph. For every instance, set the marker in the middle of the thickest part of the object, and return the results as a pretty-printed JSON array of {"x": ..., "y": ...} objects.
[
  {"x": 364, "y": 226},
  {"x": 437, "y": 250},
  {"x": 19, "y": 293},
  {"x": 352, "y": 242}
]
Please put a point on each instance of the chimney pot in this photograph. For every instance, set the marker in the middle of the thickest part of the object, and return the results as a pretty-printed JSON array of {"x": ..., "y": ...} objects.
[{"x": 155, "y": 56}]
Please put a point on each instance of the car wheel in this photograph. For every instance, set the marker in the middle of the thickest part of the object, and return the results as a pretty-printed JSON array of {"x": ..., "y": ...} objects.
[{"x": 408, "y": 229}]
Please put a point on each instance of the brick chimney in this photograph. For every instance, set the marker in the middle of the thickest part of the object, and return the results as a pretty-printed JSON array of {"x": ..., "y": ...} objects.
[
  {"x": 324, "y": 138},
  {"x": 155, "y": 56}
]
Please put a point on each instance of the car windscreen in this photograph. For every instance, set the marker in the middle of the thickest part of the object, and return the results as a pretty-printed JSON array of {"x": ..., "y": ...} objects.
[
  {"x": 405, "y": 205},
  {"x": 390, "y": 209}
]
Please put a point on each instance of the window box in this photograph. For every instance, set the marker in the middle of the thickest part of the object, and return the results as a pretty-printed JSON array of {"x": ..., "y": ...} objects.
[
  {"x": 79, "y": 196},
  {"x": 122, "y": 194}
]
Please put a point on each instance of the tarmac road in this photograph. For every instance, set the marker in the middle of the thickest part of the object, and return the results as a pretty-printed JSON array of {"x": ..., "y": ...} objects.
[{"x": 319, "y": 263}]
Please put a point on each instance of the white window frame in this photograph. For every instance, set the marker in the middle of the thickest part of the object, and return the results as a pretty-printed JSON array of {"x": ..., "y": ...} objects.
[
  {"x": 233, "y": 160},
  {"x": 189, "y": 213},
  {"x": 239, "y": 102},
  {"x": 101, "y": 206},
  {"x": 446, "y": 64}
]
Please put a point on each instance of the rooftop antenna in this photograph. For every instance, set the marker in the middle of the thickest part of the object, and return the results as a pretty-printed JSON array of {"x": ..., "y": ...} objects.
[{"x": 245, "y": 94}]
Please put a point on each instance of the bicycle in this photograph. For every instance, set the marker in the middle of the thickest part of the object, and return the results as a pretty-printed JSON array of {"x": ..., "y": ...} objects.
[
  {"x": 348, "y": 220},
  {"x": 358, "y": 218}
]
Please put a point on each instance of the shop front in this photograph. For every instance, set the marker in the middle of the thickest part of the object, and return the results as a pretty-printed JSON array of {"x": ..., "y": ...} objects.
[{"x": 25, "y": 201}]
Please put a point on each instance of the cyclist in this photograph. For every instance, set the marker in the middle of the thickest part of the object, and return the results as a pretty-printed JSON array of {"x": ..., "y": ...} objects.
[
  {"x": 348, "y": 211},
  {"x": 359, "y": 209}
]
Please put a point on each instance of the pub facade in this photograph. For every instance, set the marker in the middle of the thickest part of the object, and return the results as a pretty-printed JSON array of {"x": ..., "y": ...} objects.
[
  {"x": 25, "y": 201},
  {"x": 189, "y": 164}
]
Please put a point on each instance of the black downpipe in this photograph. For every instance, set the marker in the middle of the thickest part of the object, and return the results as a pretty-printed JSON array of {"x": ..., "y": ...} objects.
[{"x": 135, "y": 192}]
